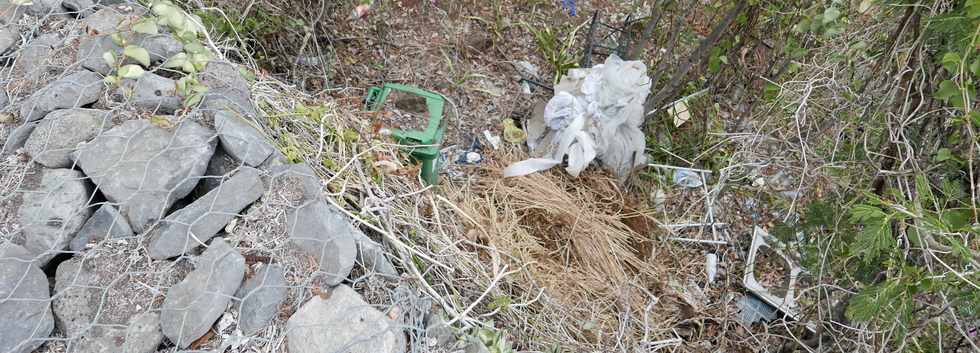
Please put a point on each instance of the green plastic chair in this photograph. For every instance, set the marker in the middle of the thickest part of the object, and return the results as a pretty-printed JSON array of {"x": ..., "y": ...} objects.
[{"x": 424, "y": 146}]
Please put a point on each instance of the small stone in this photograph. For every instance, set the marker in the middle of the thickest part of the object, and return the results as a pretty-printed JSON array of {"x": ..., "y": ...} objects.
[
  {"x": 18, "y": 137},
  {"x": 198, "y": 222},
  {"x": 194, "y": 304},
  {"x": 83, "y": 8},
  {"x": 160, "y": 46},
  {"x": 437, "y": 332},
  {"x": 4, "y": 102},
  {"x": 144, "y": 169},
  {"x": 261, "y": 296},
  {"x": 90, "y": 51},
  {"x": 9, "y": 36},
  {"x": 104, "y": 21},
  {"x": 342, "y": 322},
  {"x": 57, "y": 135},
  {"x": 141, "y": 336},
  {"x": 53, "y": 213},
  {"x": 474, "y": 345},
  {"x": 11, "y": 13},
  {"x": 323, "y": 233},
  {"x": 41, "y": 8},
  {"x": 153, "y": 92},
  {"x": 298, "y": 181},
  {"x": 106, "y": 222},
  {"x": 241, "y": 140},
  {"x": 26, "y": 305},
  {"x": 371, "y": 256},
  {"x": 36, "y": 57},
  {"x": 73, "y": 310},
  {"x": 227, "y": 90},
  {"x": 75, "y": 90}
]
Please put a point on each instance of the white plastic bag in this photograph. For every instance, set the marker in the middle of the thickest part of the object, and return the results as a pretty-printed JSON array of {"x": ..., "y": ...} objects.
[{"x": 595, "y": 112}]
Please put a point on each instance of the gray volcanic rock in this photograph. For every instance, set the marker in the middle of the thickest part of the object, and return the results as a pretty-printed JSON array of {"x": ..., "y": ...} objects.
[
  {"x": 198, "y": 222},
  {"x": 144, "y": 168},
  {"x": 57, "y": 135},
  {"x": 195, "y": 303},
  {"x": 25, "y": 305},
  {"x": 52, "y": 214}
]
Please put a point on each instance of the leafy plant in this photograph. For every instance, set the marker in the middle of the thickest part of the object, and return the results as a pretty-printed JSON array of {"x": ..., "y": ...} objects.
[{"x": 555, "y": 50}]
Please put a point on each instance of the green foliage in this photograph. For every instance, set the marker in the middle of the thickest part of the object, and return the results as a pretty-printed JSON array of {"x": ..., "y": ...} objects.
[
  {"x": 257, "y": 27},
  {"x": 556, "y": 51},
  {"x": 495, "y": 340}
]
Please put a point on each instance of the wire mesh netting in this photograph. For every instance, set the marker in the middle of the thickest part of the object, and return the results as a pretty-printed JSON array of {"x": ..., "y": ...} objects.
[{"x": 146, "y": 212}]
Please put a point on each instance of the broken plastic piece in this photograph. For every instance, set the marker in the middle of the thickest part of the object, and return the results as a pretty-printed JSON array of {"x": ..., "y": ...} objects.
[
  {"x": 752, "y": 310},
  {"x": 711, "y": 266},
  {"x": 787, "y": 303},
  {"x": 493, "y": 140},
  {"x": 687, "y": 178}
]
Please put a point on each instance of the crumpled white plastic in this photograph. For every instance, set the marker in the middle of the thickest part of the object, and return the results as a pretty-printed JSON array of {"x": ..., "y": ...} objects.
[{"x": 595, "y": 112}]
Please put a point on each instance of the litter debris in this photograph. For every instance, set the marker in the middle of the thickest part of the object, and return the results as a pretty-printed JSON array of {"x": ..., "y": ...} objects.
[
  {"x": 752, "y": 310},
  {"x": 687, "y": 178},
  {"x": 595, "y": 112},
  {"x": 513, "y": 134},
  {"x": 362, "y": 9},
  {"x": 680, "y": 113},
  {"x": 493, "y": 140},
  {"x": 785, "y": 303},
  {"x": 423, "y": 142},
  {"x": 472, "y": 158},
  {"x": 711, "y": 266},
  {"x": 529, "y": 75},
  {"x": 658, "y": 198},
  {"x": 570, "y": 6}
]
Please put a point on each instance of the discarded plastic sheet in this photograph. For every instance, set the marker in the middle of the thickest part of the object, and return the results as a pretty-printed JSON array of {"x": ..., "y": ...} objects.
[
  {"x": 493, "y": 140},
  {"x": 687, "y": 178},
  {"x": 711, "y": 266},
  {"x": 787, "y": 303},
  {"x": 595, "y": 113},
  {"x": 752, "y": 310}
]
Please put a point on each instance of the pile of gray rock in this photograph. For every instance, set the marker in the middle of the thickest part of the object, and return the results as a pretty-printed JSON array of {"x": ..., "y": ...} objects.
[{"x": 140, "y": 168}]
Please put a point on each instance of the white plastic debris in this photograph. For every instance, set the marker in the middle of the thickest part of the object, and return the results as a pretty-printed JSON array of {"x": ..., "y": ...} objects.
[
  {"x": 493, "y": 140},
  {"x": 595, "y": 113},
  {"x": 711, "y": 266},
  {"x": 687, "y": 178},
  {"x": 787, "y": 303},
  {"x": 752, "y": 310}
]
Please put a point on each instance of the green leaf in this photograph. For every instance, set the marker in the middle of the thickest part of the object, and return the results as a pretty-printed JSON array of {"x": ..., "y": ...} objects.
[
  {"x": 110, "y": 58},
  {"x": 188, "y": 67},
  {"x": 972, "y": 9},
  {"x": 176, "y": 61},
  {"x": 137, "y": 53},
  {"x": 110, "y": 80},
  {"x": 182, "y": 86},
  {"x": 146, "y": 26},
  {"x": 131, "y": 71},
  {"x": 194, "y": 48},
  {"x": 947, "y": 89},
  {"x": 193, "y": 99},
  {"x": 164, "y": 10},
  {"x": 117, "y": 39},
  {"x": 945, "y": 154},
  {"x": 951, "y": 62},
  {"x": 830, "y": 14},
  {"x": 200, "y": 61}
]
